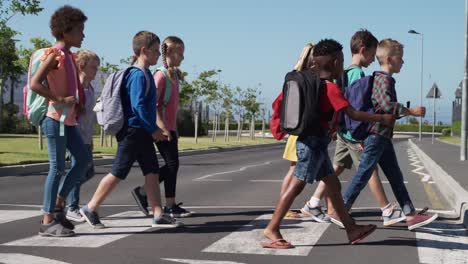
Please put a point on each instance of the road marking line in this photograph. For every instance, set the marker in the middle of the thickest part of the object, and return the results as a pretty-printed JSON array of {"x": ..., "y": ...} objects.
[
  {"x": 415, "y": 161},
  {"x": 196, "y": 261},
  {"x": 9, "y": 258},
  {"x": 13, "y": 215},
  {"x": 202, "y": 178},
  {"x": 303, "y": 234},
  {"x": 120, "y": 225},
  {"x": 443, "y": 243}
]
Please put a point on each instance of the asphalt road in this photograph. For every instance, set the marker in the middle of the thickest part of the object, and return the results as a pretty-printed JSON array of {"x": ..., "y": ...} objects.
[{"x": 233, "y": 194}]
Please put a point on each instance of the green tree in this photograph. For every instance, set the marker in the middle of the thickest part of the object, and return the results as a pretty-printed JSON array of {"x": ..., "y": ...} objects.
[
  {"x": 106, "y": 68},
  {"x": 9, "y": 9}
]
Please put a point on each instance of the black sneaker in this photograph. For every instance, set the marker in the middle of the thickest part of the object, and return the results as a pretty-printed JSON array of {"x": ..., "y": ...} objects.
[
  {"x": 140, "y": 200},
  {"x": 62, "y": 218},
  {"x": 177, "y": 211},
  {"x": 92, "y": 218}
]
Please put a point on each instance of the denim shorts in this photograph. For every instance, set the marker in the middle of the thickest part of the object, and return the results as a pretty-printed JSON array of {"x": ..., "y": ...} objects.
[
  {"x": 313, "y": 162},
  {"x": 134, "y": 144}
]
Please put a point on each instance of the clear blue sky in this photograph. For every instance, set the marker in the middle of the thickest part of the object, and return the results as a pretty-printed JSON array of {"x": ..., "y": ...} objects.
[{"x": 257, "y": 42}]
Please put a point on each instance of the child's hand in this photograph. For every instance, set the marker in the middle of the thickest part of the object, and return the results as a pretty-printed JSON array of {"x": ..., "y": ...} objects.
[
  {"x": 167, "y": 133},
  {"x": 158, "y": 136},
  {"x": 69, "y": 100},
  {"x": 388, "y": 120},
  {"x": 418, "y": 111}
]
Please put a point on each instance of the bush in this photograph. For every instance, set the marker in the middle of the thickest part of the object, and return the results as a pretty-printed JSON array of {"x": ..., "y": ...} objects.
[
  {"x": 12, "y": 123},
  {"x": 446, "y": 132},
  {"x": 186, "y": 124},
  {"x": 456, "y": 128},
  {"x": 415, "y": 128}
]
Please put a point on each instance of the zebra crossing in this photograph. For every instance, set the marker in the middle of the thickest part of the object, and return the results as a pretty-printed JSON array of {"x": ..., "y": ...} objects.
[{"x": 438, "y": 243}]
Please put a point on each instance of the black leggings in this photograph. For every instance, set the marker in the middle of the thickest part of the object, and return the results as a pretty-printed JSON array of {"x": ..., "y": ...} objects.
[{"x": 169, "y": 151}]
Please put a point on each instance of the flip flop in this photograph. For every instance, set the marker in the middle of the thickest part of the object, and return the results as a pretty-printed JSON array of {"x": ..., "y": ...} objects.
[
  {"x": 277, "y": 244},
  {"x": 292, "y": 214},
  {"x": 363, "y": 235}
]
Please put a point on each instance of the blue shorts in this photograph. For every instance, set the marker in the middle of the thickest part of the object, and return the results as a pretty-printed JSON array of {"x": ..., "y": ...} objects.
[
  {"x": 134, "y": 144},
  {"x": 313, "y": 162}
]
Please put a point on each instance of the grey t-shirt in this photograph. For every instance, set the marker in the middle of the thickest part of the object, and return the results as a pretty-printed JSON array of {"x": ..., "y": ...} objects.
[{"x": 87, "y": 119}]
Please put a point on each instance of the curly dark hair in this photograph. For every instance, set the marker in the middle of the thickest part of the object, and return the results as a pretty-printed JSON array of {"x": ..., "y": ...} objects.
[
  {"x": 65, "y": 19},
  {"x": 363, "y": 38},
  {"x": 327, "y": 47}
]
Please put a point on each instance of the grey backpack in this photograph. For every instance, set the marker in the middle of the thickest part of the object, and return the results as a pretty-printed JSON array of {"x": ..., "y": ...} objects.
[{"x": 109, "y": 111}]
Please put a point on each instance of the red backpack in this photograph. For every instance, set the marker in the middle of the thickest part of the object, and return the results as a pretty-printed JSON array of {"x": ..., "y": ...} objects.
[{"x": 275, "y": 125}]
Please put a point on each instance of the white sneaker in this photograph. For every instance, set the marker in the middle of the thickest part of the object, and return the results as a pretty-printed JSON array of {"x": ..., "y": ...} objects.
[{"x": 75, "y": 215}]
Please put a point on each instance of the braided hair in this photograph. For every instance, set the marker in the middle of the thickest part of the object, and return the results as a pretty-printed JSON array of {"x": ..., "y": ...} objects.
[{"x": 166, "y": 48}]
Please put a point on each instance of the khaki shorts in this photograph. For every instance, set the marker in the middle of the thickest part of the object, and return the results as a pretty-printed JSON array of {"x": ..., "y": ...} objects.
[
  {"x": 346, "y": 153},
  {"x": 290, "y": 149}
]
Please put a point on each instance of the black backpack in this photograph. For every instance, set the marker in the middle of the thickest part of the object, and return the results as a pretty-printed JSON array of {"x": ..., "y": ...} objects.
[{"x": 300, "y": 112}]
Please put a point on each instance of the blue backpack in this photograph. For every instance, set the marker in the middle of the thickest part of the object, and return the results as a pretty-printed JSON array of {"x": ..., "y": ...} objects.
[{"x": 359, "y": 95}]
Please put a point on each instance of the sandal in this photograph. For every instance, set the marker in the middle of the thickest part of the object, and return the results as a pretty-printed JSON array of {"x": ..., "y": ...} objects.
[
  {"x": 364, "y": 234},
  {"x": 277, "y": 244}
]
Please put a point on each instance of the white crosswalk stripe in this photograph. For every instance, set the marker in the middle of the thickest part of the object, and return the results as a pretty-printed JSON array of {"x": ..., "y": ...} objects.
[
  {"x": 246, "y": 239},
  {"x": 14, "y": 215},
  {"x": 11, "y": 258},
  {"x": 442, "y": 244},
  {"x": 118, "y": 226}
]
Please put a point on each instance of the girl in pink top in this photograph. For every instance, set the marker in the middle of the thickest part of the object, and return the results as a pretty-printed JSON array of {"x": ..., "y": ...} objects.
[
  {"x": 57, "y": 80},
  {"x": 172, "y": 50}
]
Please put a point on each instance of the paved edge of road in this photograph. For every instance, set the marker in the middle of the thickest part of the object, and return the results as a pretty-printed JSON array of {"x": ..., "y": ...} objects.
[
  {"x": 452, "y": 191},
  {"x": 25, "y": 169}
]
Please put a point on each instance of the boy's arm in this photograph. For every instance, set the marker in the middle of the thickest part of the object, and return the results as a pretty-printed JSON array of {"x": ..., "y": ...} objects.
[
  {"x": 143, "y": 111},
  {"x": 339, "y": 102},
  {"x": 382, "y": 95}
]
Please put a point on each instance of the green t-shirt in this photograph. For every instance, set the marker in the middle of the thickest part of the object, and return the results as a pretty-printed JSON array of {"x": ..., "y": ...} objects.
[{"x": 353, "y": 73}]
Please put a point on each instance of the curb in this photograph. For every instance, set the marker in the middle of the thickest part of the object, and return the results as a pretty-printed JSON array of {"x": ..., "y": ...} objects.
[
  {"x": 25, "y": 169},
  {"x": 451, "y": 190}
]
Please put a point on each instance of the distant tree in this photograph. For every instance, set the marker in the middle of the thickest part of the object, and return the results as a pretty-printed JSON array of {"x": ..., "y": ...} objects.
[{"x": 8, "y": 9}]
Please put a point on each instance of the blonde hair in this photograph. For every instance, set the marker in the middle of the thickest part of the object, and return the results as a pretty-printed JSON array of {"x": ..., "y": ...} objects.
[
  {"x": 83, "y": 57},
  {"x": 306, "y": 60},
  {"x": 143, "y": 39},
  {"x": 166, "y": 47},
  {"x": 388, "y": 47}
]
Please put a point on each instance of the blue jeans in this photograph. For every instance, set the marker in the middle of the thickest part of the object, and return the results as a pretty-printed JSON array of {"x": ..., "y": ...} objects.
[
  {"x": 73, "y": 198},
  {"x": 56, "y": 146},
  {"x": 379, "y": 150}
]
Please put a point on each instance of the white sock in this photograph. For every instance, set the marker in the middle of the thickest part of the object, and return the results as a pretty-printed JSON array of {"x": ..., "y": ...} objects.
[
  {"x": 314, "y": 202},
  {"x": 386, "y": 209}
]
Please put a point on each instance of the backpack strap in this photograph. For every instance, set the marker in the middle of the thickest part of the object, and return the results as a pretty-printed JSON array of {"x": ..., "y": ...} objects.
[
  {"x": 168, "y": 91},
  {"x": 148, "y": 85}
]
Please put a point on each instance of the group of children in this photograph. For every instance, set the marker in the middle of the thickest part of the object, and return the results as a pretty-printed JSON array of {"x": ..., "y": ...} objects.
[
  {"x": 309, "y": 157},
  {"x": 64, "y": 78}
]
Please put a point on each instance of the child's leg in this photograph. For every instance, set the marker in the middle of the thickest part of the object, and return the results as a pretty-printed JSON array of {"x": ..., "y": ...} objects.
[
  {"x": 287, "y": 178},
  {"x": 389, "y": 164},
  {"x": 104, "y": 188},
  {"x": 168, "y": 173},
  {"x": 354, "y": 232},
  {"x": 82, "y": 159},
  {"x": 56, "y": 147},
  {"x": 372, "y": 152},
  {"x": 152, "y": 189},
  {"x": 73, "y": 198},
  {"x": 375, "y": 185},
  {"x": 284, "y": 203}
]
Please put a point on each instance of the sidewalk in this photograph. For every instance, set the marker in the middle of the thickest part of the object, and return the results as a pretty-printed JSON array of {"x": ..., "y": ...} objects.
[{"x": 450, "y": 175}]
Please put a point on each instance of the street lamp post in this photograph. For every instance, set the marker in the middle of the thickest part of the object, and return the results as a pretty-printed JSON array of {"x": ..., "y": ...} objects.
[
  {"x": 422, "y": 71},
  {"x": 463, "y": 143}
]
